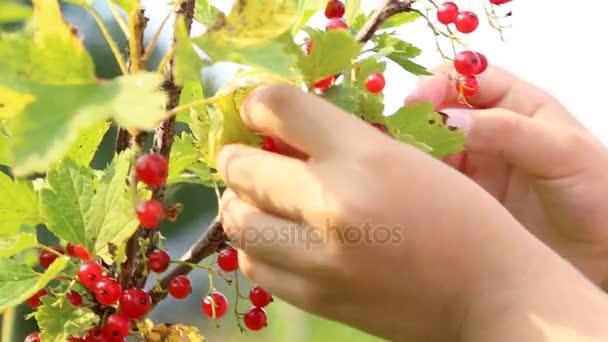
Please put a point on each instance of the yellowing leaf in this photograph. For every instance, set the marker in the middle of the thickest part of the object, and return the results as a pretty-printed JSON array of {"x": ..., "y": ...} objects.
[
  {"x": 13, "y": 244},
  {"x": 13, "y": 102},
  {"x": 171, "y": 333},
  {"x": 11, "y": 11},
  {"x": 18, "y": 205}
]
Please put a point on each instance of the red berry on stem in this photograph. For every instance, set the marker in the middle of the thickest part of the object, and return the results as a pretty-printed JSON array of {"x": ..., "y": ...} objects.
[
  {"x": 34, "y": 301},
  {"x": 76, "y": 339},
  {"x": 467, "y": 85},
  {"x": 467, "y": 63},
  {"x": 150, "y": 214},
  {"x": 228, "y": 259},
  {"x": 336, "y": 24},
  {"x": 447, "y": 12},
  {"x": 46, "y": 258},
  {"x": 70, "y": 249},
  {"x": 135, "y": 303},
  {"x": 259, "y": 297},
  {"x": 466, "y": 22},
  {"x": 323, "y": 84},
  {"x": 107, "y": 291},
  {"x": 483, "y": 62},
  {"x": 334, "y": 9},
  {"x": 75, "y": 298},
  {"x": 117, "y": 325},
  {"x": 220, "y": 304},
  {"x": 159, "y": 260},
  {"x": 152, "y": 169},
  {"x": 89, "y": 274},
  {"x": 33, "y": 337},
  {"x": 307, "y": 47},
  {"x": 499, "y": 2},
  {"x": 180, "y": 287},
  {"x": 270, "y": 144},
  {"x": 375, "y": 82},
  {"x": 255, "y": 319},
  {"x": 95, "y": 335},
  {"x": 380, "y": 127}
]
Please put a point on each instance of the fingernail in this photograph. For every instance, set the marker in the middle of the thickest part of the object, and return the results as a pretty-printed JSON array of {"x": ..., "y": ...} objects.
[
  {"x": 430, "y": 89},
  {"x": 460, "y": 119}
]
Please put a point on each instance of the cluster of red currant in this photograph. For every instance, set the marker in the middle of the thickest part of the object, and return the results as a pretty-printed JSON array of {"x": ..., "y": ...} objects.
[{"x": 152, "y": 169}]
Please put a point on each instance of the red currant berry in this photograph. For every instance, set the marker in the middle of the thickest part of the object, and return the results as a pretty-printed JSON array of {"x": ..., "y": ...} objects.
[
  {"x": 78, "y": 251},
  {"x": 75, "y": 298},
  {"x": 270, "y": 144},
  {"x": 334, "y": 9},
  {"x": 259, "y": 297},
  {"x": 135, "y": 303},
  {"x": 180, "y": 287},
  {"x": 34, "y": 301},
  {"x": 323, "y": 84},
  {"x": 466, "y": 22},
  {"x": 152, "y": 169},
  {"x": 150, "y": 213},
  {"x": 95, "y": 335},
  {"x": 117, "y": 325},
  {"x": 107, "y": 291},
  {"x": 255, "y": 319},
  {"x": 76, "y": 339},
  {"x": 159, "y": 260},
  {"x": 70, "y": 249},
  {"x": 467, "y": 63},
  {"x": 375, "y": 82},
  {"x": 499, "y": 2},
  {"x": 46, "y": 258},
  {"x": 220, "y": 304},
  {"x": 447, "y": 12},
  {"x": 336, "y": 24},
  {"x": 467, "y": 85},
  {"x": 33, "y": 337},
  {"x": 228, "y": 259},
  {"x": 89, "y": 274},
  {"x": 483, "y": 62},
  {"x": 307, "y": 47},
  {"x": 380, "y": 127}
]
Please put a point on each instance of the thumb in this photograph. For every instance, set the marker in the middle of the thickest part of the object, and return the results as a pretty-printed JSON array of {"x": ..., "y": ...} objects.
[{"x": 540, "y": 149}]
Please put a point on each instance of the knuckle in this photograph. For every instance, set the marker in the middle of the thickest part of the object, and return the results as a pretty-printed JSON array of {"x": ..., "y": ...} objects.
[{"x": 275, "y": 98}]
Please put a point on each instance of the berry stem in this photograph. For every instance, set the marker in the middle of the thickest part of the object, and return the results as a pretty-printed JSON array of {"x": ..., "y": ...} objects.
[
  {"x": 236, "y": 302},
  {"x": 49, "y": 249}
]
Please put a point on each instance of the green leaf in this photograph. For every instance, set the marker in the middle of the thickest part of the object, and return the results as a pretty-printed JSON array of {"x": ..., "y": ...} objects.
[
  {"x": 67, "y": 200},
  {"x": 206, "y": 13},
  {"x": 345, "y": 98},
  {"x": 400, "y": 52},
  {"x": 13, "y": 244},
  {"x": 13, "y": 12},
  {"x": 306, "y": 9},
  {"x": 358, "y": 21},
  {"x": 130, "y": 6},
  {"x": 425, "y": 126},
  {"x": 19, "y": 282},
  {"x": 332, "y": 52},
  {"x": 370, "y": 106},
  {"x": 183, "y": 155},
  {"x": 187, "y": 62},
  {"x": 400, "y": 19},
  {"x": 84, "y": 148},
  {"x": 256, "y": 33},
  {"x": 18, "y": 205},
  {"x": 197, "y": 117},
  {"x": 58, "y": 319},
  {"x": 353, "y": 9},
  {"x": 6, "y": 144}
]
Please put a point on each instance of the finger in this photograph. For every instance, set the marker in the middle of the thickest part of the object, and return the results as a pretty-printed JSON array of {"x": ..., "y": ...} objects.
[
  {"x": 304, "y": 121},
  {"x": 273, "y": 240},
  {"x": 274, "y": 183},
  {"x": 539, "y": 148}
]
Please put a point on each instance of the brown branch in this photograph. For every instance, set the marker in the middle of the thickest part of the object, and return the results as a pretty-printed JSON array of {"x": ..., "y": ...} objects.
[
  {"x": 208, "y": 244},
  {"x": 385, "y": 11}
]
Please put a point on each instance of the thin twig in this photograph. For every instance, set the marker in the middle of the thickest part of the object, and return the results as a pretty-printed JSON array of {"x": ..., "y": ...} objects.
[
  {"x": 119, "y": 21},
  {"x": 159, "y": 30},
  {"x": 385, "y": 11}
]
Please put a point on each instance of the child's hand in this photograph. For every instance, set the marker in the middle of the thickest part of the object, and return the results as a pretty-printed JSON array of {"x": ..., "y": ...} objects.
[
  {"x": 454, "y": 257},
  {"x": 528, "y": 152}
]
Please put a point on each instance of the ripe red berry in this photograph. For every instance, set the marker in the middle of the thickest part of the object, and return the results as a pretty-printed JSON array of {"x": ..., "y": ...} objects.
[
  {"x": 158, "y": 260},
  {"x": 152, "y": 169},
  {"x": 95, "y": 335},
  {"x": 150, "y": 214},
  {"x": 334, "y": 9},
  {"x": 255, "y": 319},
  {"x": 33, "y": 337},
  {"x": 107, "y": 291},
  {"x": 499, "y": 2},
  {"x": 259, "y": 297},
  {"x": 89, "y": 274},
  {"x": 228, "y": 259},
  {"x": 76, "y": 339},
  {"x": 375, "y": 82},
  {"x": 447, "y": 12},
  {"x": 46, "y": 258},
  {"x": 336, "y": 24},
  {"x": 180, "y": 287},
  {"x": 467, "y": 85},
  {"x": 380, "y": 127},
  {"x": 117, "y": 325},
  {"x": 468, "y": 63},
  {"x": 270, "y": 144},
  {"x": 34, "y": 301},
  {"x": 75, "y": 298},
  {"x": 135, "y": 303},
  {"x": 483, "y": 62},
  {"x": 78, "y": 251},
  {"x": 466, "y": 22},
  {"x": 307, "y": 47},
  {"x": 323, "y": 84},
  {"x": 220, "y": 304}
]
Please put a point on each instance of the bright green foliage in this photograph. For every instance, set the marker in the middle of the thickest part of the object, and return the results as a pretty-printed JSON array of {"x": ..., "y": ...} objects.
[
  {"x": 18, "y": 205},
  {"x": 425, "y": 126},
  {"x": 196, "y": 117},
  {"x": 400, "y": 19},
  {"x": 184, "y": 155},
  {"x": 11, "y": 11},
  {"x": 256, "y": 33},
  {"x": 58, "y": 319},
  {"x": 332, "y": 52},
  {"x": 11, "y": 244},
  {"x": 130, "y": 6},
  {"x": 370, "y": 106},
  {"x": 187, "y": 62},
  {"x": 400, "y": 52},
  {"x": 343, "y": 97},
  {"x": 353, "y": 9},
  {"x": 206, "y": 13},
  {"x": 19, "y": 282},
  {"x": 6, "y": 143},
  {"x": 83, "y": 149}
]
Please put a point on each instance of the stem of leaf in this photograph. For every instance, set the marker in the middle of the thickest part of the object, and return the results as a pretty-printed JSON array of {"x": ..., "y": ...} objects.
[
  {"x": 118, "y": 18},
  {"x": 194, "y": 104},
  {"x": 152, "y": 44},
  {"x": 108, "y": 37}
]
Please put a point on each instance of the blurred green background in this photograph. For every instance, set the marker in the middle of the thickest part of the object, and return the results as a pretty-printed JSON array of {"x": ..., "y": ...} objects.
[{"x": 286, "y": 323}]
